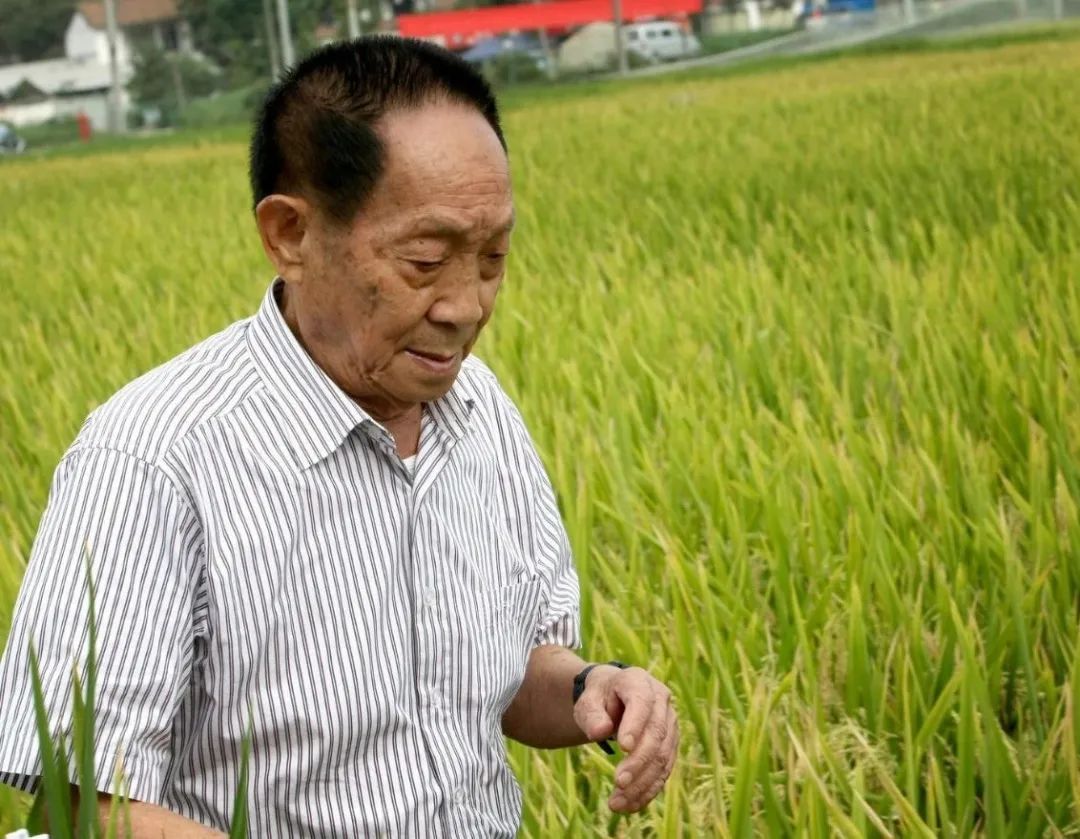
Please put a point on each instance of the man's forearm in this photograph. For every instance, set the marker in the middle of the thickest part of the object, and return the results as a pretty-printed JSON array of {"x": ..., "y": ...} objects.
[
  {"x": 542, "y": 713},
  {"x": 148, "y": 821}
]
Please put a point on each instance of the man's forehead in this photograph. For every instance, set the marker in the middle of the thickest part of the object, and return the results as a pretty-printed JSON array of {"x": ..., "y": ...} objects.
[
  {"x": 446, "y": 222},
  {"x": 450, "y": 174},
  {"x": 445, "y": 144},
  {"x": 445, "y": 173}
]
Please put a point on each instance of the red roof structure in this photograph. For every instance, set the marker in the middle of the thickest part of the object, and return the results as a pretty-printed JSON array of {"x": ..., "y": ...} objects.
[
  {"x": 130, "y": 12},
  {"x": 463, "y": 27}
]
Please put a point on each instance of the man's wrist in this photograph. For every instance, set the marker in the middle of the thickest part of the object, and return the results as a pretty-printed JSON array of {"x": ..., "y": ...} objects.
[
  {"x": 579, "y": 688},
  {"x": 581, "y": 679}
]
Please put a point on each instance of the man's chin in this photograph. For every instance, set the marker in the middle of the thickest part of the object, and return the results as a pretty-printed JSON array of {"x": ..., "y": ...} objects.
[{"x": 428, "y": 389}]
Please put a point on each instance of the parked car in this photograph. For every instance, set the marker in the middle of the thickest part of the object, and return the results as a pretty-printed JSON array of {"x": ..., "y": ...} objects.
[
  {"x": 519, "y": 57},
  {"x": 660, "y": 40},
  {"x": 10, "y": 142}
]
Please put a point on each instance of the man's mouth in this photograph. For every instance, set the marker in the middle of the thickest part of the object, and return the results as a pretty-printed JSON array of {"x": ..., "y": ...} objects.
[
  {"x": 434, "y": 356},
  {"x": 434, "y": 361}
]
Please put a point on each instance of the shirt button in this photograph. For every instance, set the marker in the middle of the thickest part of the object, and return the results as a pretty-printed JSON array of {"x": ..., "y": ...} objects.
[
  {"x": 429, "y": 598},
  {"x": 459, "y": 795}
]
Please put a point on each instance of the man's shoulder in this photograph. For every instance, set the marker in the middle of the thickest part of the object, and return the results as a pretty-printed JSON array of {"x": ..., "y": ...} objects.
[
  {"x": 478, "y": 377},
  {"x": 480, "y": 384},
  {"x": 150, "y": 414}
]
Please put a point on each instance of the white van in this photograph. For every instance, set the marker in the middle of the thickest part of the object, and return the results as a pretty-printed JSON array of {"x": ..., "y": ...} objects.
[{"x": 660, "y": 40}]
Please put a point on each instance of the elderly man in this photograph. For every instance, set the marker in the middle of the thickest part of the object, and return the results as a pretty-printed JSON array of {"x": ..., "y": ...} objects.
[{"x": 329, "y": 519}]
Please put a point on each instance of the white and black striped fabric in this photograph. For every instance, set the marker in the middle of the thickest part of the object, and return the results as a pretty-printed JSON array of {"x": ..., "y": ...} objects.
[{"x": 258, "y": 547}]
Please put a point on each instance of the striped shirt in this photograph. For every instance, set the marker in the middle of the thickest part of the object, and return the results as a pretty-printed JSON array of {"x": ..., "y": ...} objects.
[{"x": 258, "y": 546}]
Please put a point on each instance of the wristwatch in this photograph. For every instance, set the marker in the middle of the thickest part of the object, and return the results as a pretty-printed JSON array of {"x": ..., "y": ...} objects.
[{"x": 579, "y": 688}]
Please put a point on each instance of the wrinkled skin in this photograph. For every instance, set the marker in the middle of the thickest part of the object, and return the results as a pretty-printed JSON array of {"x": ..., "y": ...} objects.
[{"x": 417, "y": 272}]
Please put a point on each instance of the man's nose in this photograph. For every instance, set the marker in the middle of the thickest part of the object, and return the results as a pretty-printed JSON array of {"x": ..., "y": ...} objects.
[{"x": 460, "y": 305}]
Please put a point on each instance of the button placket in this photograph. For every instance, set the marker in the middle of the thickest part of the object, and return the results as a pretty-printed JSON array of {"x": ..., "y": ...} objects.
[
  {"x": 436, "y": 708},
  {"x": 424, "y": 635},
  {"x": 427, "y": 626}
]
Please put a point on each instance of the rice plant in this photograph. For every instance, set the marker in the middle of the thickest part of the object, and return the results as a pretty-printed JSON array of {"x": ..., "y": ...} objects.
[
  {"x": 799, "y": 349},
  {"x": 51, "y": 811}
]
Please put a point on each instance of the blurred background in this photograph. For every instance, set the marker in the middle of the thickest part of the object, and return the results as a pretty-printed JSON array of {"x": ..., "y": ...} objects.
[
  {"x": 792, "y": 314},
  {"x": 71, "y": 70}
]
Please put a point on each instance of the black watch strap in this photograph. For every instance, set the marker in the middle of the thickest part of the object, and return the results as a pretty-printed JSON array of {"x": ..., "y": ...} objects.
[{"x": 579, "y": 688}]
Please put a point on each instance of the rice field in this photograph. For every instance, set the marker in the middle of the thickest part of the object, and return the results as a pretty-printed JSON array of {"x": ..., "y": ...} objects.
[{"x": 800, "y": 350}]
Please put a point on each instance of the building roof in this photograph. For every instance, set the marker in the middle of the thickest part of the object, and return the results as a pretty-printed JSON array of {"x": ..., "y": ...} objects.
[
  {"x": 327, "y": 32},
  {"x": 464, "y": 27},
  {"x": 24, "y": 92},
  {"x": 58, "y": 76},
  {"x": 130, "y": 12}
]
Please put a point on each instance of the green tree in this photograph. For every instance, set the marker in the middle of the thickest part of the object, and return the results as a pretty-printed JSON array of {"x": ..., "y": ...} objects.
[
  {"x": 33, "y": 29},
  {"x": 233, "y": 32},
  {"x": 166, "y": 80}
]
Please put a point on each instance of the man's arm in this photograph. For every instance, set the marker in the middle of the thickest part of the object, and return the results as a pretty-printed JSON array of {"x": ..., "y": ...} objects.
[
  {"x": 127, "y": 520},
  {"x": 147, "y": 821},
  {"x": 629, "y": 704},
  {"x": 542, "y": 713}
]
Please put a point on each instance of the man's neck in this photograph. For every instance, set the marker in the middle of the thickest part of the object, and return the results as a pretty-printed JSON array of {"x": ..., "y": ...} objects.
[{"x": 405, "y": 430}]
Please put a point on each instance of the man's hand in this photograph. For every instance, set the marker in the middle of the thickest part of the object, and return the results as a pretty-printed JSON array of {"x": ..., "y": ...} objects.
[{"x": 636, "y": 708}]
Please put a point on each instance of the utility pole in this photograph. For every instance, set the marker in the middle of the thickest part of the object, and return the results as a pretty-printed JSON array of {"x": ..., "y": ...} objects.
[
  {"x": 550, "y": 69},
  {"x": 178, "y": 84},
  {"x": 116, "y": 91},
  {"x": 288, "y": 55},
  {"x": 620, "y": 47},
  {"x": 352, "y": 19},
  {"x": 271, "y": 40}
]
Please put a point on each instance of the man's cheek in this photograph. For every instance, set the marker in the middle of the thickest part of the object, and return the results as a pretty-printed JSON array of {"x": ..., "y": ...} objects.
[{"x": 370, "y": 300}]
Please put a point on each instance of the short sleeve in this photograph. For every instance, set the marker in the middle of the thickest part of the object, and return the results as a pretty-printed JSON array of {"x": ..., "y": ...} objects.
[
  {"x": 561, "y": 622},
  {"x": 145, "y": 548}
]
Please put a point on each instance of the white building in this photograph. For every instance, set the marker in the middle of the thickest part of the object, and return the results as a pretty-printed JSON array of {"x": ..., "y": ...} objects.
[
  {"x": 156, "y": 22},
  {"x": 80, "y": 80},
  {"x": 57, "y": 88}
]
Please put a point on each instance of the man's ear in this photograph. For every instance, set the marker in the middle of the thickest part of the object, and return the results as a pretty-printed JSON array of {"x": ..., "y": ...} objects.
[{"x": 283, "y": 222}]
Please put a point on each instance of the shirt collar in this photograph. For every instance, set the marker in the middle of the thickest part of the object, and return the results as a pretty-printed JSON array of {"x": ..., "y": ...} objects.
[{"x": 316, "y": 415}]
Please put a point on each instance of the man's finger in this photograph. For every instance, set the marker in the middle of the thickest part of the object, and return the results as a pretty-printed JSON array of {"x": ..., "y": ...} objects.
[
  {"x": 648, "y": 744},
  {"x": 646, "y": 764},
  {"x": 633, "y": 799},
  {"x": 592, "y": 717},
  {"x": 637, "y": 696},
  {"x": 671, "y": 744}
]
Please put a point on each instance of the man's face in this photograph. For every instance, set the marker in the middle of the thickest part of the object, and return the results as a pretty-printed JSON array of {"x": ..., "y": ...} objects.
[{"x": 391, "y": 306}]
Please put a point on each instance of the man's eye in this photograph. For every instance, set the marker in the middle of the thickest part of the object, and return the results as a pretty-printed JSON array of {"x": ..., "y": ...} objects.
[{"x": 425, "y": 265}]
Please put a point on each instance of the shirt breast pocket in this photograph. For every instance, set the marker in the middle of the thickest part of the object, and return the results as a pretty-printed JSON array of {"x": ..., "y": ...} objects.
[{"x": 509, "y": 617}]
